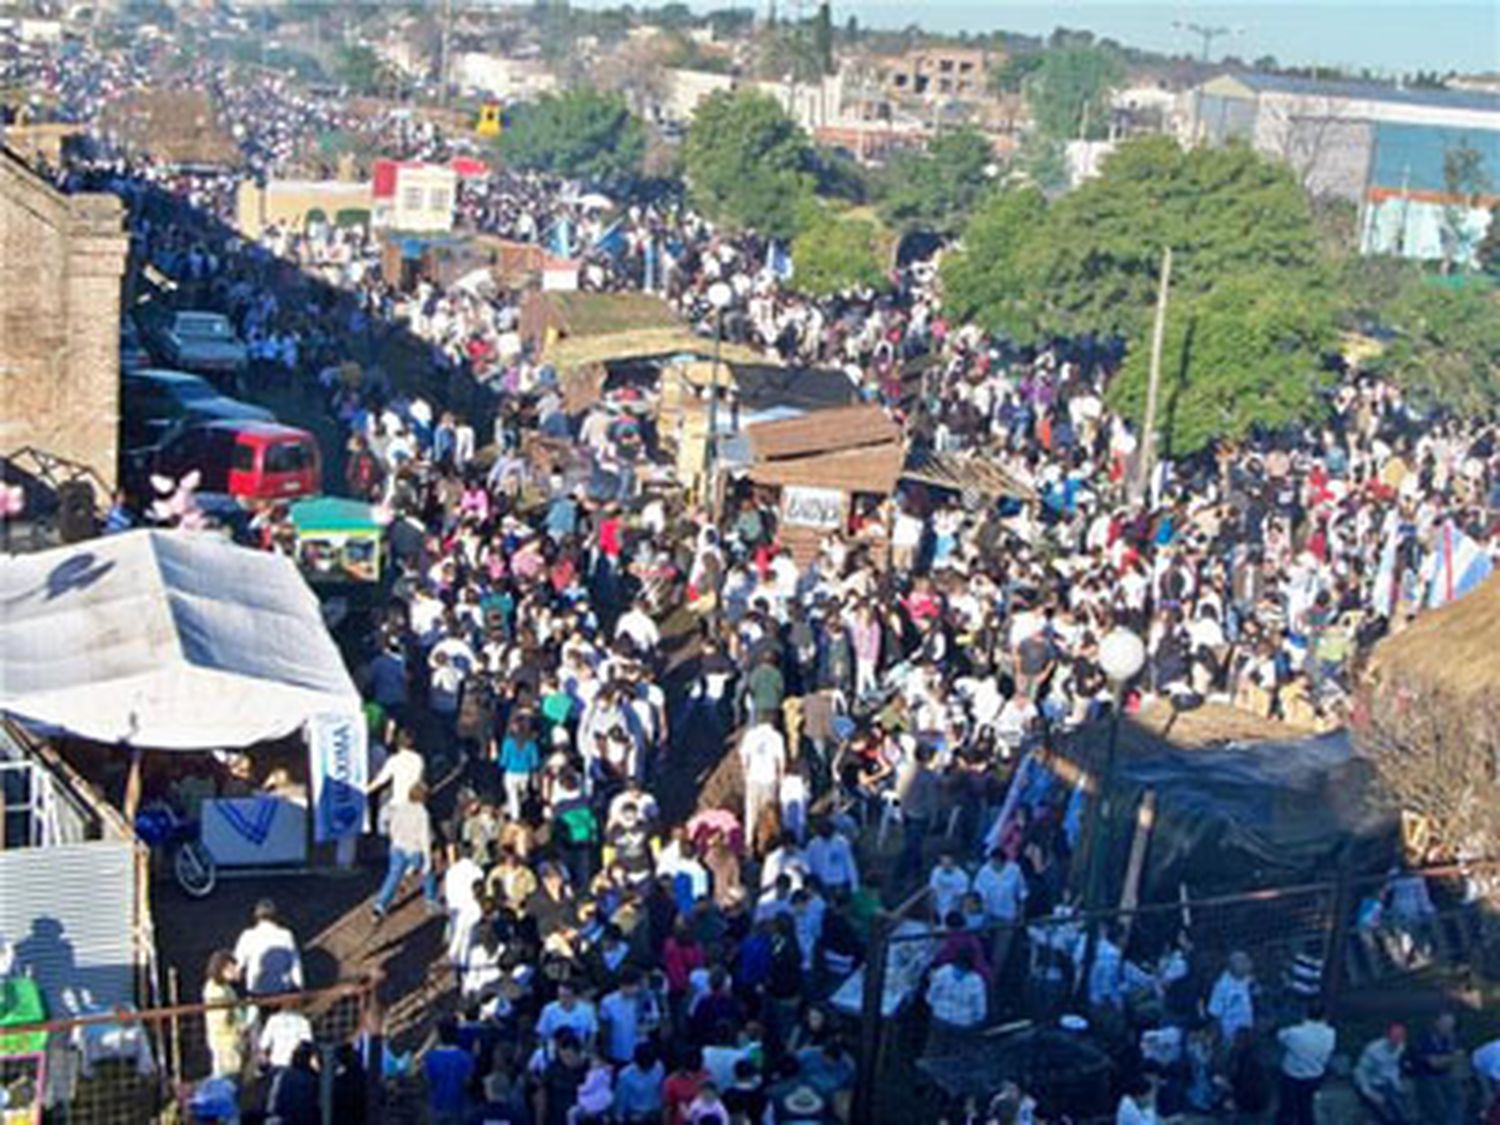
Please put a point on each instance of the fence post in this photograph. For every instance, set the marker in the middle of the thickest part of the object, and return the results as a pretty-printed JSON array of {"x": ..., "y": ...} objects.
[
  {"x": 871, "y": 1019},
  {"x": 1338, "y": 935}
]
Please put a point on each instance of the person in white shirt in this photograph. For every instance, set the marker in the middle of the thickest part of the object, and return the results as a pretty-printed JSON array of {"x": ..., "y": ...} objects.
[
  {"x": 830, "y": 857},
  {"x": 1001, "y": 887},
  {"x": 1232, "y": 1001},
  {"x": 285, "y": 1031},
  {"x": 1306, "y": 1048},
  {"x": 403, "y": 771},
  {"x": 267, "y": 954},
  {"x": 763, "y": 757},
  {"x": 1137, "y": 1105},
  {"x": 568, "y": 1011},
  {"x": 637, "y": 624},
  {"x": 948, "y": 883}
]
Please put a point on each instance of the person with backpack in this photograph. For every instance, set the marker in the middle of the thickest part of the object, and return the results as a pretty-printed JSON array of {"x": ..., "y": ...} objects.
[{"x": 575, "y": 829}]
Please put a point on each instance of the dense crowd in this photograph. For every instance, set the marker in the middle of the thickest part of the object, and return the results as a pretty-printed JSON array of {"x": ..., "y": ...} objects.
[{"x": 620, "y": 953}]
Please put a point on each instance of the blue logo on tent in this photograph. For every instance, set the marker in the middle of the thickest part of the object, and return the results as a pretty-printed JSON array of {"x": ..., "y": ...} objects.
[{"x": 254, "y": 826}]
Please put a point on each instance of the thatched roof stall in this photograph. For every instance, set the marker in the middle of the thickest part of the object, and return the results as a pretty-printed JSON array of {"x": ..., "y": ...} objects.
[
  {"x": 968, "y": 473},
  {"x": 1427, "y": 715}
]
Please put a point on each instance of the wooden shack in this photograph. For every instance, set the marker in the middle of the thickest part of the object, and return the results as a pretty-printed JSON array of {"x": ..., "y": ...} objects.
[{"x": 819, "y": 463}]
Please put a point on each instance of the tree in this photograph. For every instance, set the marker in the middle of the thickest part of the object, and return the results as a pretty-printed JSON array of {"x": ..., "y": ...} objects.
[
  {"x": 581, "y": 134},
  {"x": 937, "y": 190},
  {"x": 1010, "y": 77},
  {"x": 1069, "y": 92},
  {"x": 1464, "y": 182},
  {"x": 834, "y": 253},
  {"x": 363, "y": 71},
  {"x": 1487, "y": 253},
  {"x": 823, "y": 36},
  {"x": 1247, "y": 353},
  {"x": 981, "y": 280},
  {"x": 1446, "y": 350},
  {"x": 747, "y": 163}
]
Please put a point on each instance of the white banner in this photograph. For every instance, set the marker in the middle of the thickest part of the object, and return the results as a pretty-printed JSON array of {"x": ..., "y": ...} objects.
[
  {"x": 812, "y": 507},
  {"x": 338, "y": 762},
  {"x": 252, "y": 831}
]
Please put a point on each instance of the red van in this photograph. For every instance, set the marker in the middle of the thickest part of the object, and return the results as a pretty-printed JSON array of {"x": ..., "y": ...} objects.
[{"x": 249, "y": 459}]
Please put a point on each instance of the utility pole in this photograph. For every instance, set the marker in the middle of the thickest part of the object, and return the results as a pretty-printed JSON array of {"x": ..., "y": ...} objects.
[
  {"x": 1208, "y": 34},
  {"x": 1153, "y": 385},
  {"x": 443, "y": 52}
]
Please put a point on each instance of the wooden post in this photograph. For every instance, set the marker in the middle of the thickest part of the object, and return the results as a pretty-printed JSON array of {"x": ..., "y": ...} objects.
[
  {"x": 871, "y": 1020},
  {"x": 174, "y": 998},
  {"x": 1153, "y": 386},
  {"x": 133, "y": 785},
  {"x": 1145, "y": 820},
  {"x": 1336, "y": 964}
]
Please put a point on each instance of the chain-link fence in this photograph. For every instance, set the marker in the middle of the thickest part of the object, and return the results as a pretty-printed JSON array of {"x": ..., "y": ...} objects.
[
  {"x": 125, "y": 1067},
  {"x": 1125, "y": 971}
]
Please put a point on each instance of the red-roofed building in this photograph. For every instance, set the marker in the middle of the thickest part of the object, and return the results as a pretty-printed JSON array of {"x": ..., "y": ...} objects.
[{"x": 411, "y": 195}]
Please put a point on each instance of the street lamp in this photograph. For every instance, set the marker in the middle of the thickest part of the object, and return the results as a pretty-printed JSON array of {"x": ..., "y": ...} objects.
[{"x": 720, "y": 296}]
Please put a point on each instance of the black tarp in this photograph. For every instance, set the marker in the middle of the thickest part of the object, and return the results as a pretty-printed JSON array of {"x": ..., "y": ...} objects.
[{"x": 1241, "y": 818}]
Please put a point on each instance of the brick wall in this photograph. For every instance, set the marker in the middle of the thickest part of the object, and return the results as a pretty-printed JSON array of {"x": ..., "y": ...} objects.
[{"x": 59, "y": 320}]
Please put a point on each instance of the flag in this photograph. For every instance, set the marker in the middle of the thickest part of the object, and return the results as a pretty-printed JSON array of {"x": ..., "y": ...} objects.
[
  {"x": 650, "y": 284},
  {"x": 560, "y": 239},
  {"x": 1458, "y": 564},
  {"x": 612, "y": 241},
  {"x": 1387, "y": 579},
  {"x": 778, "y": 261}
]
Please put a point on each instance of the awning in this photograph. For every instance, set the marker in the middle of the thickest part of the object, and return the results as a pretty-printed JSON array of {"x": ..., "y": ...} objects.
[{"x": 166, "y": 639}]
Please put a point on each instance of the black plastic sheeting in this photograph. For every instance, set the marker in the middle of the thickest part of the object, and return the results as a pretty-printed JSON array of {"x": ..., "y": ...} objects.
[{"x": 1244, "y": 818}]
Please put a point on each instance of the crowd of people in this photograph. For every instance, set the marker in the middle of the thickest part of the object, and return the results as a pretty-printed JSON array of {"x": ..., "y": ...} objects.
[{"x": 621, "y": 951}]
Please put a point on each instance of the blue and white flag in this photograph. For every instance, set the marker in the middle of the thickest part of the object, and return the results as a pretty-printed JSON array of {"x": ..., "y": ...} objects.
[
  {"x": 1387, "y": 579},
  {"x": 560, "y": 239},
  {"x": 1458, "y": 564},
  {"x": 612, "y": 240},
  {"x": 338, "y": 750}
]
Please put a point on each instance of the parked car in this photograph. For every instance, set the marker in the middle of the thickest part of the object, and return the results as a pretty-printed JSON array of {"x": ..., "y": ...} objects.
[
  {"x": 247, "y": 459},
  {"x": 154, "y": 403},
  {"x": 199, "y": 341},
  {"x": 133, "y": 353}
]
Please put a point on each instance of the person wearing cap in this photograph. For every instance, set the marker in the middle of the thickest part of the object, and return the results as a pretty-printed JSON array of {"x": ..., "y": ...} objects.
[{"x": 1378, "y": 1078}]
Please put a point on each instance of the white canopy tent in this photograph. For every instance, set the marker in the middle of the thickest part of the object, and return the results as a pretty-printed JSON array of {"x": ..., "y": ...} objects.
[{"x": 166, "y": 640}]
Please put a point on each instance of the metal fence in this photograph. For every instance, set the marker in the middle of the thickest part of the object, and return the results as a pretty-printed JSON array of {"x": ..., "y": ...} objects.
[
  {"x": 1128, "y": 970},
  {"x": 126, "y": 1067}
]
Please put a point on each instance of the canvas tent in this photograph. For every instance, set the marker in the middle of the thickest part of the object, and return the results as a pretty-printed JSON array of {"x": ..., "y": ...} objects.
[{"x": 167, "y": 640}]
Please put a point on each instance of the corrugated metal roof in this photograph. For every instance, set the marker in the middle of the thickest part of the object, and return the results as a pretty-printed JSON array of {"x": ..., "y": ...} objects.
[
  {"x": 824, "y": 431},
  {"x": 69, "y": 912},
  {"x": 1368, "y": 91},
  {"x": 1411, "y": 156}
]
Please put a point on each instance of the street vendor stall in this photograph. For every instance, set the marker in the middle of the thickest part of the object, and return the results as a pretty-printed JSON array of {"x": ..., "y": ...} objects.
[
  {"x": 820, "y": 465},
  {"x": 180, "y": 641},
  {"x": 338, "y": 539}
]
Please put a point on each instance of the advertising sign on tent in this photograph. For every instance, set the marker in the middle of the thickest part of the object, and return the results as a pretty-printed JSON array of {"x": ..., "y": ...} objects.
[{"x": 336, "y": 746}]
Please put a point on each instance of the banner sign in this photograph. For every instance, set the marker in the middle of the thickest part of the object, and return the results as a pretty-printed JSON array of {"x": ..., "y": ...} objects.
[
  {"x": 255, "y": 831},
  {"x": 822, "y": 508},
  {"x": 338, "y": 761}
]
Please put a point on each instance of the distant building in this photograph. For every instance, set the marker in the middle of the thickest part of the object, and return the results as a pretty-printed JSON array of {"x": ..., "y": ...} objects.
[
  {"x": 685, "y": 90},
  {"x": 1380, "y": 147},
  {"x": 502, "y": 78},
  {"x": 296, "y": 203},
  {"x": 961, "y": 73},
  {"x": 413, "y": 196},
  {"x": 59, "y": 320}
]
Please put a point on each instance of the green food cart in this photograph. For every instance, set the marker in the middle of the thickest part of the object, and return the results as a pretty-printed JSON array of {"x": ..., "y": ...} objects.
[
  {"x": 338, "y": 540},
  {"x": 23, "y": 1054}
]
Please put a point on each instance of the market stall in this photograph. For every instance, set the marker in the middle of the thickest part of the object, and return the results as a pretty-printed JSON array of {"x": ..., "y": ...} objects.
[
  {"x": 178, "y": 641},
  {"x": 338, "y": 539}
]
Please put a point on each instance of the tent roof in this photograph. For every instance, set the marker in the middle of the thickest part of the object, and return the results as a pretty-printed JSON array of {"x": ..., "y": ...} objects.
[
  {"x": 170, "y": 640},
  {"x": 333, "y": 513}
]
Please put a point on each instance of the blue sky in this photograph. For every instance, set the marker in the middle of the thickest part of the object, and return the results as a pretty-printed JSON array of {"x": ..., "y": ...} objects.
[{"x": 1385, "y": 35}]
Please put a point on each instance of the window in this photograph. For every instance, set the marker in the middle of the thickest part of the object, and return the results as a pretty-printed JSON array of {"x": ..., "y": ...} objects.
[
  {"x": 411, "y": 198},
  {"x": 437, "y": 199},
  {"x": 288, "y": 457},
  {"x": 945, "y": 65},
  {"x": 242, "y": 458}
]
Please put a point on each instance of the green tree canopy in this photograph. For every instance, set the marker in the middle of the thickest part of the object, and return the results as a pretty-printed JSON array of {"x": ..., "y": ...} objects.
[
  {"x": 1069, "y": 91},
  {"x": 1250, "y": 352},
  {"x": 747, "y": 163},
  {"x": 580, "y": 133},
  {"x": 981, "y": 280},
  {"x": 1251, "y": 314},
  {"x": 832, "y": 253},
  {"x": 937, "y": 189},
  {"x": 1447, "y": 344}
]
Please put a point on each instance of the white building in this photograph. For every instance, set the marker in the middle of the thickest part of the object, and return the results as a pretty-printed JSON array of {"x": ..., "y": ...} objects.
[{"x": 504, "y": 79}]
